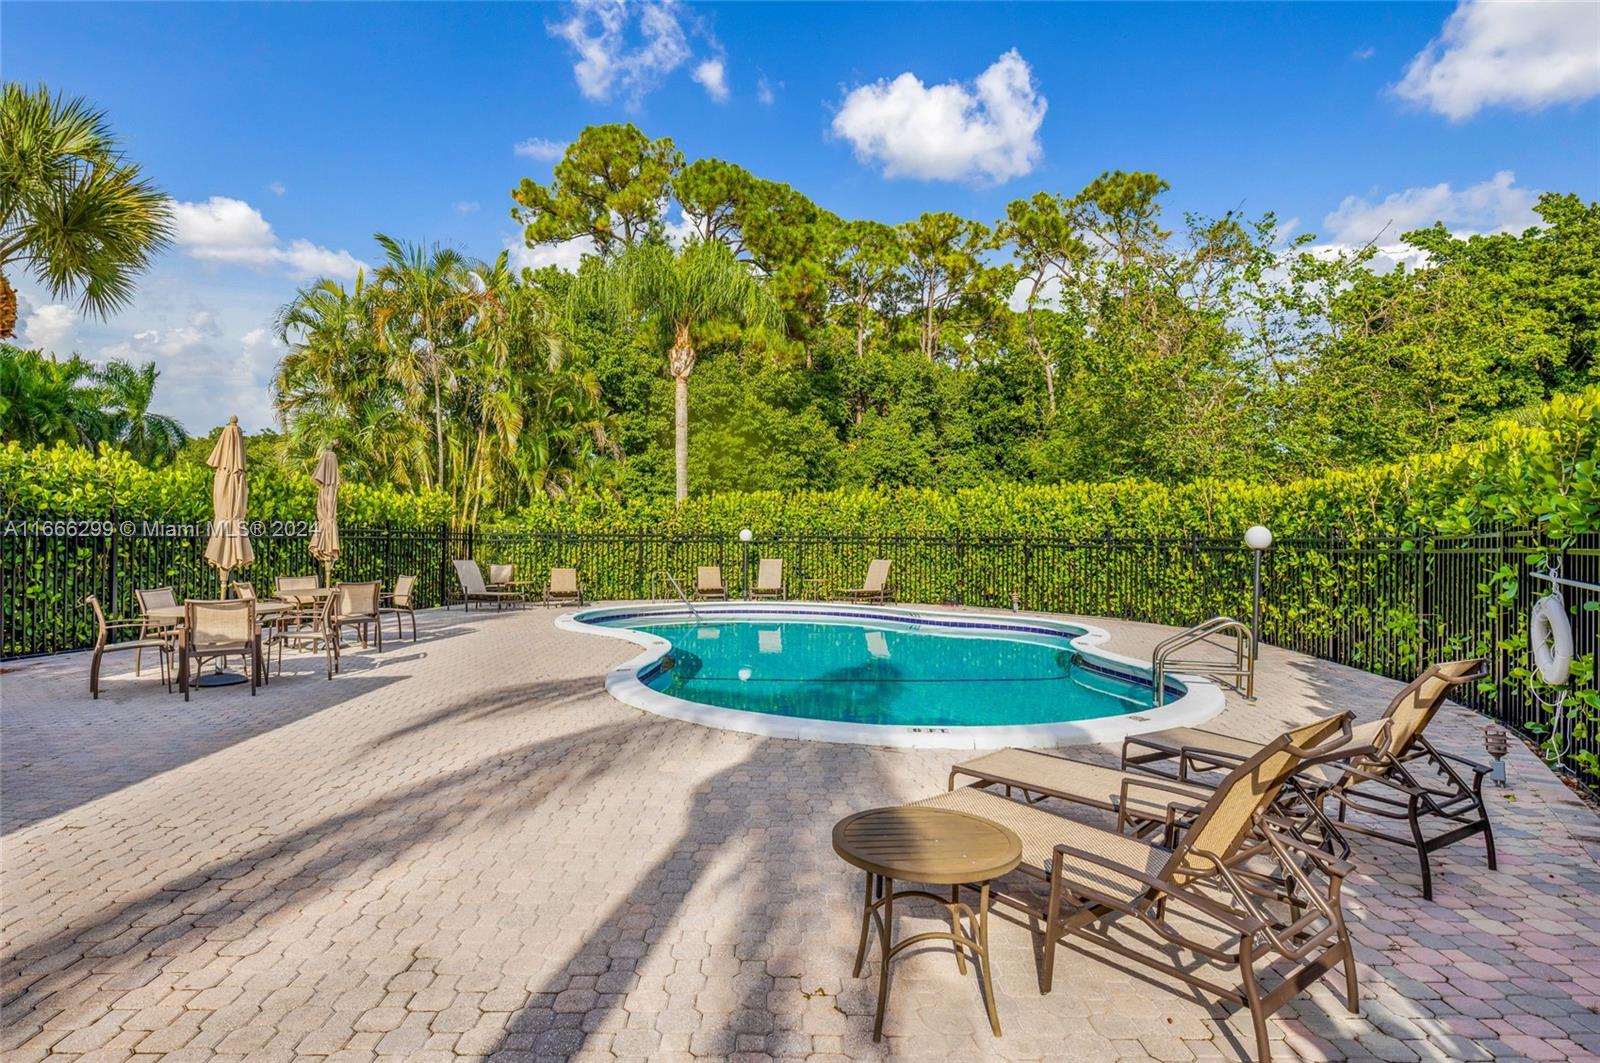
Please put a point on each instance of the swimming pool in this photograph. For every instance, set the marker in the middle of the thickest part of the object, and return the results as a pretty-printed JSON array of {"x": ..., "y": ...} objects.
[{"x": 888, "y": 675}]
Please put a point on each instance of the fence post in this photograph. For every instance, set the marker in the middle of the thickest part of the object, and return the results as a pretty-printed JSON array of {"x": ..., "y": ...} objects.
[{"x": 114, "y": 606}]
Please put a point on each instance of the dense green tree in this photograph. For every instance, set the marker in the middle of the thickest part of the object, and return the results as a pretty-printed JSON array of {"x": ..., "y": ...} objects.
[
  {"x": 74, "y": 213},
  {"x": 610, "y": 186},
  {"x": 1044, "y": 239}
]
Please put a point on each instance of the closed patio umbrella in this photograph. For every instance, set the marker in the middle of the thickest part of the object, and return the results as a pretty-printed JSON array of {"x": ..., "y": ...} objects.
[
  {"x": 229, "y": 546},
  {"x": 325, "y": 541}
]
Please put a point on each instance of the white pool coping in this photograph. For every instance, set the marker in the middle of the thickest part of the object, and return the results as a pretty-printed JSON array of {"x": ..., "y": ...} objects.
[{"x": 1202, "y": 701}]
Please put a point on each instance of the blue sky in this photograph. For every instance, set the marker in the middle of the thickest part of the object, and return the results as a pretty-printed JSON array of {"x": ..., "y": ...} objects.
[{"x": 290, "y": 133}]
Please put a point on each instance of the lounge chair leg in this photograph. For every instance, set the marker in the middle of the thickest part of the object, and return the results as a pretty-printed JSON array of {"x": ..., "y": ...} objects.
[
  {"x": 1252, "y": 998},
  {"x": 1422, "y": 849},
  {"x": 94, "y": 675}
]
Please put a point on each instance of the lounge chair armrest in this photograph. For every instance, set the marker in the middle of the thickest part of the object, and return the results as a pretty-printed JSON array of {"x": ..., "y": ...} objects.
[
  {"x": 1165, "y": 886},
  {"x": 1175, "y": 789},
  {"x": 1474, "y": 766},
  {"x": 1211, "y": 758}
]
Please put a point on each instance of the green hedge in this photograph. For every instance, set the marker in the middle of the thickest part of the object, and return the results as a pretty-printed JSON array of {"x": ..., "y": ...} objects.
[{"x": 72, "y": 481}]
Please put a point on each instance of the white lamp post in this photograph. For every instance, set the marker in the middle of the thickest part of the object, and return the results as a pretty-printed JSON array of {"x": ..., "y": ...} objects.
[
  {"x": 745, "y": 535},
  {"x": 1258, "y": 539}
]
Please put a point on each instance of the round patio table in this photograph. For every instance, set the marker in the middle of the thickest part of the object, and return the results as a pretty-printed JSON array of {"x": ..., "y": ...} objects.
[{"x": 937, "y": 847}]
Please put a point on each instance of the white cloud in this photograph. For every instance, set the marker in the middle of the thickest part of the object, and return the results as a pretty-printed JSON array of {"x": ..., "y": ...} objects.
[
  {"x": 1524, "y": 55},
  {"x": 205, "y": 378},
  {"x": 223, "y": 230},
  {"x": 276, "y": 188},
  {"x": 565, "y": 255},
  {"x": 465, "y": 206},
  {"x": 712, "y": 75},
  {"x": 306, "y": 260},
  {"x": 611, "y": 60},
  {"x": 231, "y": 231},
  {"x": 1495, "y": 205},
  {"x": 1363, "y": 53},
  {"x": 48, "y": 327},
  {"x": 204, "y": 321},
  {"x": 539, "y": 148},
  {"x": 764, "y": 94},
  {"x": 948, "y": 132}
]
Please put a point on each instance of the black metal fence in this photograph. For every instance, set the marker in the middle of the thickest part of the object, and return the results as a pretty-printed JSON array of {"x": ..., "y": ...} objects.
[{"x": 1384, "y": 605}]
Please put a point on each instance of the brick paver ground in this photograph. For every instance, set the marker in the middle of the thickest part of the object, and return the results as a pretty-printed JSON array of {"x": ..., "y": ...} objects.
[{"x": 463, "y": 847}]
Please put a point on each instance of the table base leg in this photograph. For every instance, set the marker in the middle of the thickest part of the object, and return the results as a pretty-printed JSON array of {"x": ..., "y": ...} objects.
[{"x": 973, "y": 935}]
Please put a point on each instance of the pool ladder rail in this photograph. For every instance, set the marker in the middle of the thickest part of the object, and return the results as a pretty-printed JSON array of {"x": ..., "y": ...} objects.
[
  {"x": 1237, "y": 670},
  {"x": 666, "y": 578}
]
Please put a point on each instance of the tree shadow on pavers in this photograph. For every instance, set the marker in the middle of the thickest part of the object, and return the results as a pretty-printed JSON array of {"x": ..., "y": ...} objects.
[
  {"x": 537, "y": 696},
  {"x": 55, "y": 761},
  {"x": 698, "y": 921},
  {"x": 295, "y": 870}
]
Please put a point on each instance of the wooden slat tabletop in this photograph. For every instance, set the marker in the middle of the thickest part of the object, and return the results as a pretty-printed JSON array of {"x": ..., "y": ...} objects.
[{"x": 932, "y": 845}]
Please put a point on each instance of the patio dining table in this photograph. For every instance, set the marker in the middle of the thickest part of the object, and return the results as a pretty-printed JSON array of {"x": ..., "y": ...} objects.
[{"x": 174, "y": 614}]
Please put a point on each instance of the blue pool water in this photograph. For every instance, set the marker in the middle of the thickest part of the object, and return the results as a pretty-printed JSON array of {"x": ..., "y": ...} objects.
[{"x": 866, "y": 671}]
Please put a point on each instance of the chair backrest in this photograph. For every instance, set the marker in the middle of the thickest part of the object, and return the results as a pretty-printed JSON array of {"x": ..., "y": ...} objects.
[
  {"x": 708, "y": 577},
  {"x": 769, "y": 574},
  {"x": 471, "y": 577},
  {"x": 1229, "y": 816},
  {"x": 325, "y": 612},
  {"x": 156, "y": 598},
  {"x": 243, "y": 590},
  {"x": 563, "y": 581},
  {"x": 499, "y": 573},
  {"x": 359, "y": 599},
  {"x": 403, "y": 586},
  {"x": 877, "y": 575},
  {"x": 219, "y": 623},
  {"x": 292, "y": 584},
  {"x": 1420, "y": 700},
  {"x": 100, "y": 630}
]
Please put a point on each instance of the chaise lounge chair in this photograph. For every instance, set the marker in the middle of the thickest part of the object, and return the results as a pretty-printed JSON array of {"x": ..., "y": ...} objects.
[
  {"x": 769, "y": 578},
  {"x": 708, "y": 583},
  {"x": 876, "y": 587},
  {"x": 563, "y": 588},
  {"x": 1403, "y": 778},
  {"x": 473, "y": 589},
  {"x": 1223, "y": 877}
]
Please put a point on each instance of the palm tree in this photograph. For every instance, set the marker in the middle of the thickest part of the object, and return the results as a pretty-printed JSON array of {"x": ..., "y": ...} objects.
[
  {"x": 44, "y": 400},
  {"x": 125, "y": 393},
  {"x": 73, "y": 212},
  {"x": 677, "y": 294},
  {"x": 422, "y": 297},
  {"x": 334, "y": 389}
]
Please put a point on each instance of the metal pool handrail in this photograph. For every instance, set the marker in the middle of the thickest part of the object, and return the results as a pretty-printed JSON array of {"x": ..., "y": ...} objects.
[
  {"x": 668, "y": 578},
  {"x": 1243, "y": 666}
]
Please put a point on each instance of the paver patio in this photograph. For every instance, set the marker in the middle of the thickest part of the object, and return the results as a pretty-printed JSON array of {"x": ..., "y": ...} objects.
[{"x": 463, "y": 847}]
